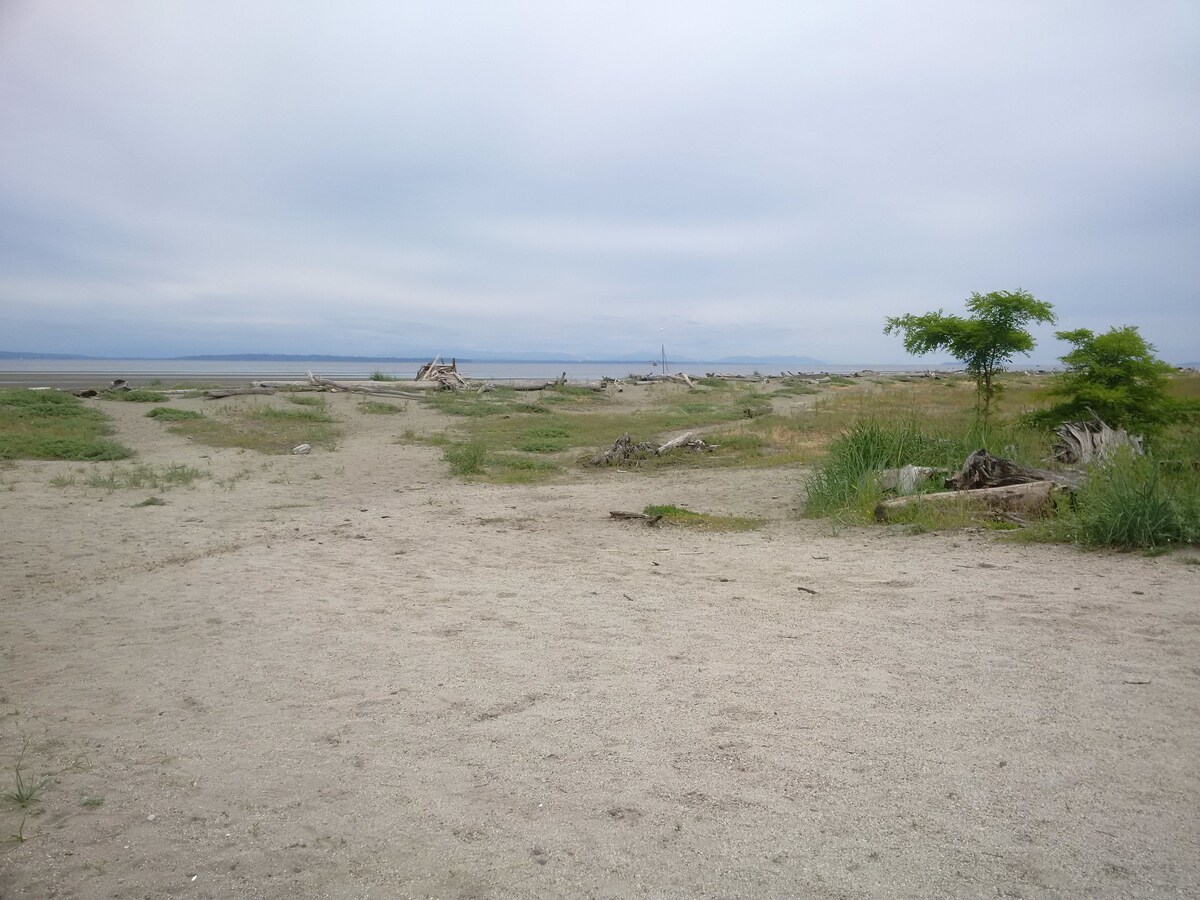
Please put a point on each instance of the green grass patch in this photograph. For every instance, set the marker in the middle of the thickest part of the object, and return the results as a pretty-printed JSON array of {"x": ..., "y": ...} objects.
[
  {"x": 475, "y": 461},
  {"x": 512, "y": 468},
  {"x": 465, "y": 459},
  {"x": 173, "y": 414},
  {"x": 572, "y": 395},
  {"x": 52, "y": 425},
  {"x": 545, "y": 438},
  {"x": 264, "y": 429},
  {"x": 310, "y": 400},
  {"x": 151, "y": 501},
  {"x": 379, "y": 375},
  {"x": 472, "y": 404},
  {"x": 379, "y": 408},
  {"x": 678, "y": 515}
]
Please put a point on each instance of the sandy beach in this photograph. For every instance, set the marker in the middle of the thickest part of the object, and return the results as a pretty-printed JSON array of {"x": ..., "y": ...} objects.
[{"x": 349, "y": 675}]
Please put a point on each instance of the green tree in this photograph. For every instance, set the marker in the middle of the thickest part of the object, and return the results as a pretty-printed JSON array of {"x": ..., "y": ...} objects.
[
  {"x": 984, "y": 342},
  {"x": 1117, "y": 377}
]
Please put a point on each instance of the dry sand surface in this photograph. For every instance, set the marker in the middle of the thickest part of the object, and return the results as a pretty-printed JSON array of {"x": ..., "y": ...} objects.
[{"x": 347, "y": 675}]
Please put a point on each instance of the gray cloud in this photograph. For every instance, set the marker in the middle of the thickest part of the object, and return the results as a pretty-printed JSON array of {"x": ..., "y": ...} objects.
[{"x": 591, "y": 178}]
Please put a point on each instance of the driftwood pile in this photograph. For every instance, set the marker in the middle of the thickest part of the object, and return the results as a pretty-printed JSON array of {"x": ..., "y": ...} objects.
[
  {"x": 441, "y": 376},
  {"x": 625, "y": 449},
  {"x": 1014, "y": 492},
  {"x": 983, "y": 470},
  {"x": 678, "y": 378},
  {"x": 444, "y": 376},
  {"x": 993, "y": 485}
]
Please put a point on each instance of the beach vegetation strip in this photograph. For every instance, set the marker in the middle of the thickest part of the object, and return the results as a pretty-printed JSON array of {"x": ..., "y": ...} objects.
[
  {"x": 52, "y": 425},
  {"x": 501, "y": 432},
  {"x": 265, "y": 429},
  {"x": 1126, "y": 502}
]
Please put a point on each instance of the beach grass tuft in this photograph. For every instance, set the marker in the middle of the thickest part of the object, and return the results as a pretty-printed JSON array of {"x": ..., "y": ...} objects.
[{"x": 139, "y": 476}]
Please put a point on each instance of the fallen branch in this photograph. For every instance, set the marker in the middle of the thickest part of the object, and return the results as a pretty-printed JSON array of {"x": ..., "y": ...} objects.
[
  {"x": 221, "y": 393},
  {"x": 688, "y": 441},
  {"x": 361, "y": 388},
  {"x": 635, "y": 516}
]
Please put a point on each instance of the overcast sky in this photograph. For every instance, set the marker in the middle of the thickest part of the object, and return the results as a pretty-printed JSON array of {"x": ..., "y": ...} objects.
[{"x": 594, "y": 178}]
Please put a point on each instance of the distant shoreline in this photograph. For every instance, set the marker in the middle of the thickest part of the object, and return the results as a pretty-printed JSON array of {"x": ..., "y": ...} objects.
[{"x": 98, "y": 374}]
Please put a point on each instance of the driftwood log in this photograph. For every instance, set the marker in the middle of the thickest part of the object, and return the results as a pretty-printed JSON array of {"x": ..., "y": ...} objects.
[
  {"x": 1015, "y": 502},
  {"x": 686, "y": 441},
  {"x": 1082, "y": 442},
  {"x": 624, "y": 449},
  {"x": 364, "y": 388},
  {"x": 983, "y": 470},
  {"x": 906, "y": 479},
  {"x": 678, "y": 378}
]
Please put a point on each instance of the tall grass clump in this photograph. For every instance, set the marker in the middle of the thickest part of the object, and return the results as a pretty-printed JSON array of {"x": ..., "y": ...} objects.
[
  {"x": 846, "y": 477},
  {"x": 1134, "y": 502}
]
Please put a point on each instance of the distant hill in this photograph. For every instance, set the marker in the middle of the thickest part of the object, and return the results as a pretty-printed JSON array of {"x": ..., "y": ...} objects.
[
  {"x": 771, "y": 361},
  {"x": 11, "y": 354},
  {"x": 469, "y": 357},
  {"x": 295, "y": 357}
]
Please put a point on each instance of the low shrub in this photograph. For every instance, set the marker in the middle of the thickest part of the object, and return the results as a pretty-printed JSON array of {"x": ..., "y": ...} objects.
[{"x": 1134, "y": 502}]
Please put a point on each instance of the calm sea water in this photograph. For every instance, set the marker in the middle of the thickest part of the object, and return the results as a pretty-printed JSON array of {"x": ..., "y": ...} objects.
[{"x": 97, "y": 372}]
